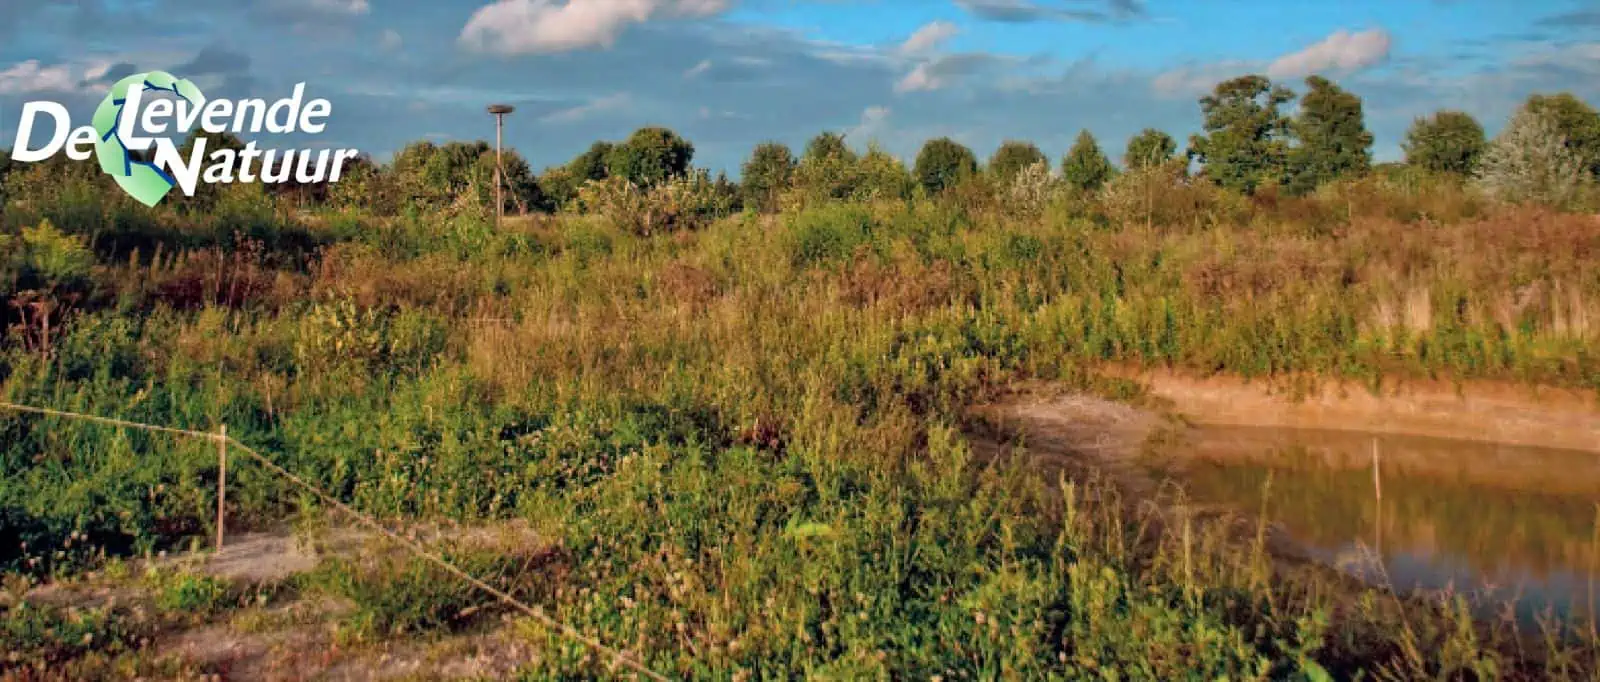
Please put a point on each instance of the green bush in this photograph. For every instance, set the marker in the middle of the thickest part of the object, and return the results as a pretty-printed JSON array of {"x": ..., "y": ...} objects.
[{"x": 829, "y": 234}]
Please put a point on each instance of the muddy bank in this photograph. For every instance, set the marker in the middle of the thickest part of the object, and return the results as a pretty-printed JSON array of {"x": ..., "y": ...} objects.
[{"x": 1506, "y": 413}]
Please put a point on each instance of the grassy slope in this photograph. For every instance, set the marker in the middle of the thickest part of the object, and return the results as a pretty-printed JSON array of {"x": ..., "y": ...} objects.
[{"x": 747, "y": 439}]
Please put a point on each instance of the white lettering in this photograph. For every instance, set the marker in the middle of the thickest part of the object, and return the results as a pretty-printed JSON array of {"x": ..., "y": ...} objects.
[
  {"x": 221, "y": 169},
  {"x": 315, "y": 109},
  {"x": 256, "y": 109},
  {"x": 75, "y": 144},
  {"x": 21, "y": 151},
  {"x": 289, "y": 109},
  {"x": 218, "y": 111},
  {"x": 126, "y": 130},
  {"x": 338, "y": 162},
  {"x": 187, "y": 174},
  {"x": 154, "y": 116}
]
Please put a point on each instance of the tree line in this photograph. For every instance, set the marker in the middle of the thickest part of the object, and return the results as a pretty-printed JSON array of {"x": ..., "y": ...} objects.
[
  {"x": 1249, "y": 140},
  {"x": 1548, "y": 152}
]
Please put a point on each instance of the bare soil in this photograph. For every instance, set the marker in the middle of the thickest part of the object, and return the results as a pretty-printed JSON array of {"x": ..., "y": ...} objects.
[{"x": 1491, "y": 412}]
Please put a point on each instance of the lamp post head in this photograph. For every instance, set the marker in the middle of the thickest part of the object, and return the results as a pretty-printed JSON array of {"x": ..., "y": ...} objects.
[{"x": 501, "y": 109}]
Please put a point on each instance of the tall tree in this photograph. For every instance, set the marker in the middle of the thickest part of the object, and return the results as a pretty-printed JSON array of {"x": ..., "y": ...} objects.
[
  {"x": 768, "y": 172},
  {"x": 1532, "y": 160},
  {"x": 651, "y": 156},
  {"x": 1576, "y": 121},
  {"x": 522, "y": 191},
  {"x": 942, "y": 163},
  {"x": 1446, "y": 142},
  {"x": 1013, "y": 157},
  {"x": 879, "y": 175},
  {"x": 1245, "y": 141},
  {"x": 1150, "y": 147},
  {"x": 1332, "y": 137},
  {"x": 591, "y": 165},
  {"x": 828, "y": 168},
  {"x": 828, "y": 145},
  {"x": 1085, "y": 166}
]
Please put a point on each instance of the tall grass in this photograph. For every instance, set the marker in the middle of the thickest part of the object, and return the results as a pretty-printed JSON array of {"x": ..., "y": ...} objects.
[{"x": 746, "y": 440}]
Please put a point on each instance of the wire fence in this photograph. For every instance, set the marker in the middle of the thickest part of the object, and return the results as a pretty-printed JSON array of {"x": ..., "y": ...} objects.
[{"x": 225, "y": 443}]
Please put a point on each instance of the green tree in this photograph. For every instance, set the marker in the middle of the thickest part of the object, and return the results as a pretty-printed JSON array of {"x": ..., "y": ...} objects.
[
  {"x": 591, "y": 165},
  {"x": 450, "y": 168},
  {"x": 1575, "y": 120},
  {"x": 828, "y": 145},
  {"x": 1332, "y": 137},
  {"x": 1150, "y": 147},
  {"x": 1446, "y": 142},
  {"x": 1244, "y": 142},
  {"x": 522, "y": 192},
  {"x": 1085, "y": 166},
  {"x": 768, "y": 172},
  {"x": 558, "y": 187},
  {"x": 650, "y": 156},
  {"x": 879, "y": 175},
  {"x": 1012, "y": 158},
  {"x": 828, "y": 169},
  {"x": 942, "y": 163},
  {"x": 363, "y": 184}
]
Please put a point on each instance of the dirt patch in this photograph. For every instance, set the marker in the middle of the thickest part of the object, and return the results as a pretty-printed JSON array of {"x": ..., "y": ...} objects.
[{"x": 1481, "y": 411}]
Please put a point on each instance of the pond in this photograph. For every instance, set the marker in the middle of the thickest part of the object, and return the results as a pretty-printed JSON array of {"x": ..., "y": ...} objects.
[{"x": 1498, "y": 524}]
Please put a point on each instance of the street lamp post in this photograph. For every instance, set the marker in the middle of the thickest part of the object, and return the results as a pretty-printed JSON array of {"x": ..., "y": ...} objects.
[{"x": 499, "y": 111}]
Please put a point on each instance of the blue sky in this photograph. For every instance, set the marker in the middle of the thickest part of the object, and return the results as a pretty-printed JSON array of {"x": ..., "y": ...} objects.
[{"x": 731, "y": 73}]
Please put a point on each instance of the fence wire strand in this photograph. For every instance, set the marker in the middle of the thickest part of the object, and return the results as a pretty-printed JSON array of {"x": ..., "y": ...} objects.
[{"x": 617, "y": 656}]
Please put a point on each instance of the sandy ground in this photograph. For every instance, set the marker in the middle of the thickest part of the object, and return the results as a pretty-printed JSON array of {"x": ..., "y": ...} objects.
[{"x": 1481, "y": 411}]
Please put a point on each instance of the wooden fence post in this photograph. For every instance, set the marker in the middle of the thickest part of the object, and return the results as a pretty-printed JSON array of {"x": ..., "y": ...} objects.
[{"x": 222, "y": 479}]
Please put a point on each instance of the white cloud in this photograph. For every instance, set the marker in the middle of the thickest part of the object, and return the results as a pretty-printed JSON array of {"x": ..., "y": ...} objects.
[
  {"x": 351, "y": 7},
  {"x": 1196, "y": 79},
  {"x": 874, "y": 120},
  {"x": 390, "y": 40},
  {"x": 941, "y": 71},
  {"x": 32, "y": 77},
  {"x": 698, "y": 69},
  {"x": 309, "y": 9},
  {"x": 513, "y": 27},
  {"x": 920, "y": 79},
  {"x": 578, "y": 113},
  {"x": 1341, "y": 51},
  {"x": 929, "y": 37}
]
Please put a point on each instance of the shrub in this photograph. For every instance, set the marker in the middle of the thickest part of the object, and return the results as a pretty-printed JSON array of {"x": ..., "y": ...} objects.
[
  {"x": 683, "y": 203},
  {"x": 1149, "y": 147},
  {"x": 1031, "y": 190},
  {"x": 1085, "y": 166},
  {"x": 827, "y": 172},
  {"x": 1014, "y": 157},
  {"x": 1530, "y": 161},
  {"x": 943, "y": 163},
  {"x": 828, "y": 234},
  {"x": 881, "y": 176},
  {"x": 767, "y": 173},
  {"x": 650, "y": 156},
  {"x": 1446, "y": 142}
]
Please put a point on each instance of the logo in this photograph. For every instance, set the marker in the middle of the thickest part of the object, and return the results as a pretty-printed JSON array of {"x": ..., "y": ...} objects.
[{"x": 154, "y": 103}]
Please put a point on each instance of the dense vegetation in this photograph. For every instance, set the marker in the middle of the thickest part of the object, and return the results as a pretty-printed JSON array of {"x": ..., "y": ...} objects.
[{"x": 745, "y": 438}]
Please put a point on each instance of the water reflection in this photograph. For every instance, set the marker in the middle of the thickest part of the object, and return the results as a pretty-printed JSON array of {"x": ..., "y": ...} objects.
[{"x": 1497, "y": 522}]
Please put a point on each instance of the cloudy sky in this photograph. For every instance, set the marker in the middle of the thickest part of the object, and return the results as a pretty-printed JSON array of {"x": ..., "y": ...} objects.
[{"x": 730, "y": 73}]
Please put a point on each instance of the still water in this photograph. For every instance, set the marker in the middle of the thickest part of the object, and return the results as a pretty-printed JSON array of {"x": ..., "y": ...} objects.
[{"x": 1496, "y": 523}]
